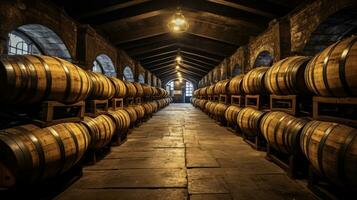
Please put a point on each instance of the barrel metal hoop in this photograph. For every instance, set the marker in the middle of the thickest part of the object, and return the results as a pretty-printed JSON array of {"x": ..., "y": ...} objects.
[
  {"x": 276, "y": 129},
  {"x": 324, "y": 68},
  {"x": 61, "y": 147},
  {"x": 321, "y": 146},
  {"x": 68, "y": 79},
  {"x": 312, "y": 66},
  {"x": 36, "y": 142},
  {"x": 12, "y": 79},
  {"x": 23, "y": 155},
  {"x": 9, "y": 73},
  {"x": 342, "y": 154},
  {"x": 33, "y": 77},
  {"x": 75, "y": 157},
  {"x": 277, "y": 75},
  {"x": 91, "y": 130},
  {"x": 48, "y": 76},
  {"x": 311, "y": 126},
  {"x": 81, "y": 88},
  {"x": 284, "y": 135},
  {"x": 342, "y": 68}
]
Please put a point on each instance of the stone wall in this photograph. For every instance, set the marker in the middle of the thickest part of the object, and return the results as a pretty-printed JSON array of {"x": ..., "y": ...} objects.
[
  {"x": 284, "y": 37},
  {"x": 84, "y": 44}
]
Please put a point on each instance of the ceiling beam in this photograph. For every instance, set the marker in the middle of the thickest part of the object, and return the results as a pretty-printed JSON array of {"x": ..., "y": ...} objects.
[
  {"x": 158, "y": 60},
  {"x": 173, "y": 52},
  {"x": 250, "y": 9},
  {"x": 200, "y": 61},
  {"x": 153, "y": 48}
]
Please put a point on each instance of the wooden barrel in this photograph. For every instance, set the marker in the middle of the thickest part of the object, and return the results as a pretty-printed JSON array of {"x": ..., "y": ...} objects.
[
  {"x": 253, "y": 81},
  {"x": 210, "y": 90},
  {"x": 210, "y": 106},
  {"x": 203, "y": 91},
  {"x": 140, "y": 111},
  {"x": 287, "y": 76},
  {"x": 147, "y": 90},
  {"x": 235, "y": 85},
  {"x": 130, "y": 89},
  {"x": 30, "y": 154},
  {"x": 196, "y": 92},
  {"x": 162, "y": 93},
  {"x": 102, "y": 87},
  {"x": 121, "y": 119},
  {"x": 154, "y": 105},
  {"x": 139, "y": 89},
  {"x": 132, "y": 113},
  {"x": 231, "y": 114},
  {"x": 220, "y": 109},
  {"x": 333, "y": 72},
  {"x": 331, "y": 149},
  {"x": 282, "y": 131},
  {"x": 248, "y": 120},
  {"x": 119, "y": 87},
  {"x": 221, "y": 87},
  {"x": 101, "y": 130},
  {"x": 148, "y": 108},
  {"x": 28, "y": 79}
]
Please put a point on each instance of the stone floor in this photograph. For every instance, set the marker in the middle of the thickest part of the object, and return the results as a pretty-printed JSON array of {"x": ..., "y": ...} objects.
[{"x": 183, "y": 154}]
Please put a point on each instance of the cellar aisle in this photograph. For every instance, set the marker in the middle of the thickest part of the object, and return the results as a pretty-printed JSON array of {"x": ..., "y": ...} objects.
[{"x": 183, "y": 154}]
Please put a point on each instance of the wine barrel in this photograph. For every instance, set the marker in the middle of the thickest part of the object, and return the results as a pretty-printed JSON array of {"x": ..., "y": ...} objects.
[
  {"x": 235, "y": 85},
  {"x": 221, "y": 87},
  {"x": 30, "y": 154},
  {"x": 282, "y": 131},
  {"x": 203, "y": 91},
  {"x": 130, "y": 89},
  {"x": 287, "y": 76},
  {"x": 132, "y": 113},
  {"x": 101, "y": 130},
  {"x": 210, "y": 90},
  {"x": 148, "y": 108},
  {"x": 119, "y": 87},
  {"x": 102, "y": 87},
  {"x": 28, "y": 79},
  {"x": 155, "y": 91},
  {"x": 331, "y": 149},
  {"x": 248, "y": 120},
  {"x": 253, "y": 81},
  {"x": 147, "y": 90},
  {"x": 121, "y": 119},
  {"x": 333, "y": 72},
  {"x": 210, "y": 106},
  {"x": 231, "y": 114},
  {"x": 220, "y": 109},
  {"x": 196, "y": 92},
  {"x": 140, "y": 111},
  {"x": 139, "y": 89}
]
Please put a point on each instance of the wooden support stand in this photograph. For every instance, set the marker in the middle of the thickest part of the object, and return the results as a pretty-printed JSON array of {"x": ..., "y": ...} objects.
[
  {"x": 137, "y": 100},
  {"x": 258, "y": 102},
  {"x": 232, "y": 128},
  {"x": 237, "y": 100},
  {"x": 291, "y": 104},
  {"x": 215, "y": 98},
  {"x": 96, "y": 107},
  {"x": 224, "y": 98},
  {"x": 326, "y": 190},
  {"x": 117, "y": 103},
  {"x": 340, "y": 110},
  {"x": 93, "y": 155},
  {"x": 53, "y": 112},
  {"x": 296, "y": 166},
  {"x": 257, "y": 142},
  {"x": 129, "y": 101},
  {"x": 210, "y": 97}
]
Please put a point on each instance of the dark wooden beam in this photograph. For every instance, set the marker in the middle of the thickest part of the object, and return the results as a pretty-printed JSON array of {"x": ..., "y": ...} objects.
[
  {"x": 153, "y": 48},
  {"x": 186, "y": 61},
  {"x": 161, "y": 55},
  {"x": 200, "y": 61},
  {"x": 251, "y": 8},
  {"x": 156, "y": 61},
  {"x": 205, "y": 55}
]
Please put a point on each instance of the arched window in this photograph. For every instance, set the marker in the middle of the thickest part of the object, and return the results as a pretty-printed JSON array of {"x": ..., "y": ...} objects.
[
  {"x": 141, "y": 78},
  {"x": 36, "y": 39},
  {"x": 128, "y": 74},
  {"x": 264, "y": 58},
  {"x": 170, "y": 86},
  {"x": 189, "y": 89},
  {"x": 20, "y": 44},
  {"x": 236, "y": 70},
  {"x": 103, "y": 64}
]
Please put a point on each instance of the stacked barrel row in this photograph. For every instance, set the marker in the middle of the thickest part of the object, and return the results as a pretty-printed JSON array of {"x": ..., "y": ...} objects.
[
  {"x": 31, "y": 154},
  {"x": 330, "y": 148}
]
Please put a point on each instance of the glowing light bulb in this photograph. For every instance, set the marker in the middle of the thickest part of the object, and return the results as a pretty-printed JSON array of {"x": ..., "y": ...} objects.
[
  {"x": 178, "y": 59},
  {"x": 177, "y": 67}
]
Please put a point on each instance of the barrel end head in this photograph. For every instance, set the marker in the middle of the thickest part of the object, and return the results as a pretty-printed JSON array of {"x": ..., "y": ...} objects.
[{"x": 7, "y": 178}]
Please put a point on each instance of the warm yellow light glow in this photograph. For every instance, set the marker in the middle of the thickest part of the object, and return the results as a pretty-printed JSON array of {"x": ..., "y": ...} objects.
[
  {"x": 177, "y": 67},
  {"x": 178, "y": 22},
  {"x": 178, "y": 59}
]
